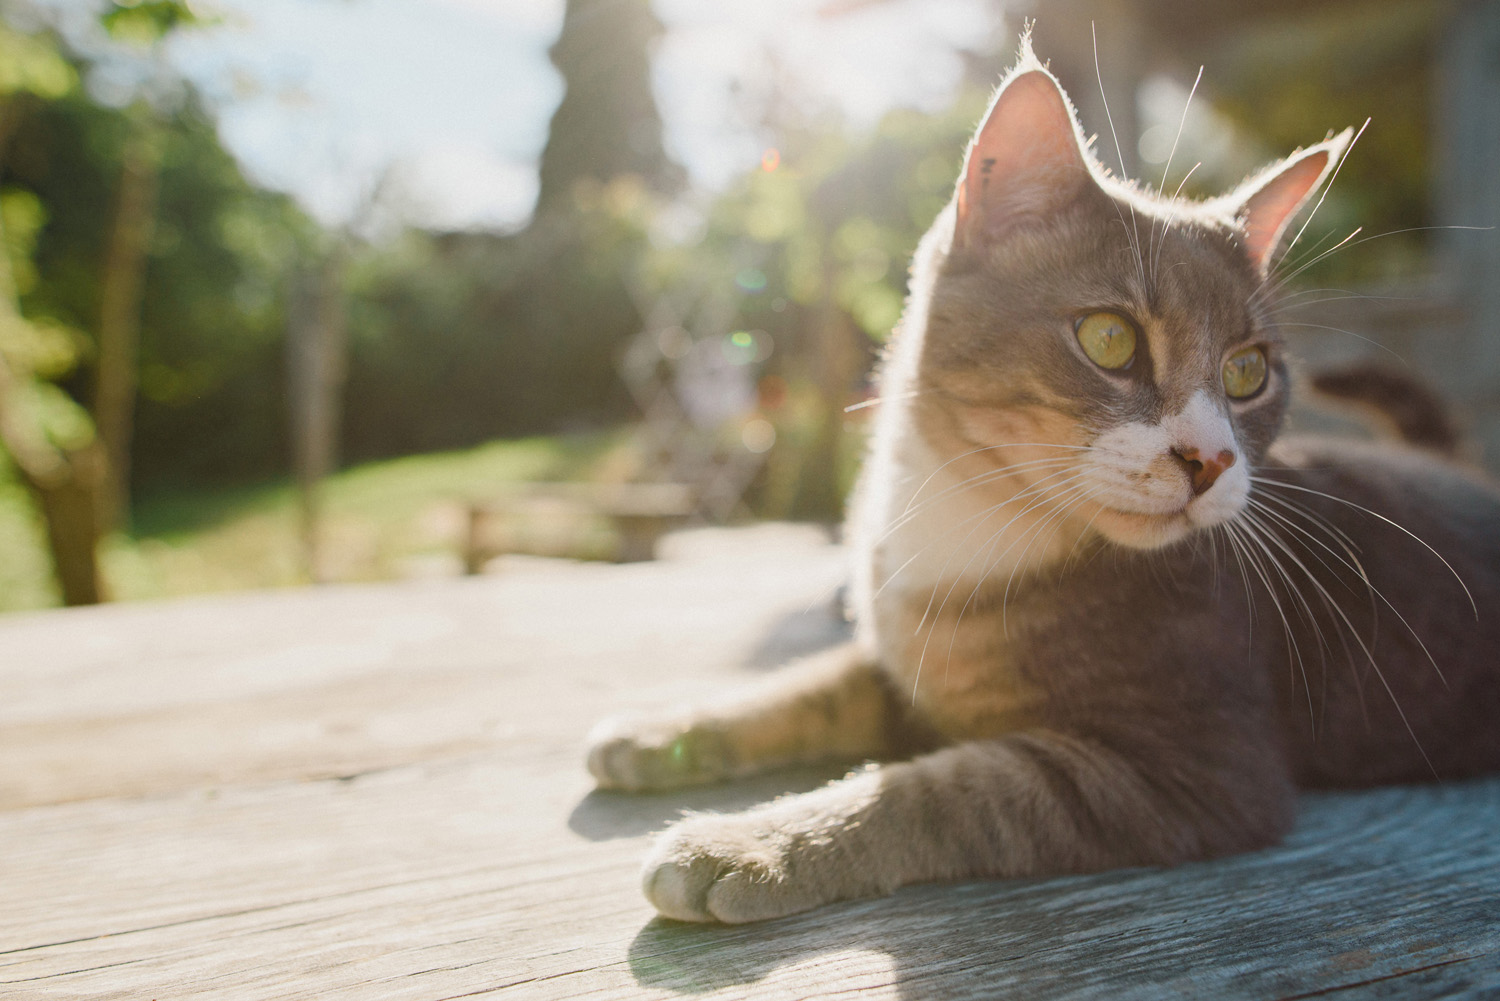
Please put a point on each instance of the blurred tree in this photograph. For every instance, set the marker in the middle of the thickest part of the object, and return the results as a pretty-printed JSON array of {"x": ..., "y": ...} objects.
[
  {"x": 214, "y": 296},
  {"x": 166, "y": 270},
  {"x": 1288, "y": 82},
  {"x": 143, "y": 24},
  {"x": 117, "y": 367},
  {"x": 317, "y": 358},
  {"x": 462, "y": 337},
  {"x": 458, "y": 338},
  {"x": 607, "y": 125},
  {"x": 50, "y": 438},
  {"x": 815, "y": 243}
]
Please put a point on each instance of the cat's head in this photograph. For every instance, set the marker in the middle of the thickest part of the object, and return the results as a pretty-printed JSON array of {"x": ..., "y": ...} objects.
[{"x": 1111, "y": 348}]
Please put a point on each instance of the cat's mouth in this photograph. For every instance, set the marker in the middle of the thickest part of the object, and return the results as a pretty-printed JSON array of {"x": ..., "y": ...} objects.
[{"x": 1143, "y": 529}]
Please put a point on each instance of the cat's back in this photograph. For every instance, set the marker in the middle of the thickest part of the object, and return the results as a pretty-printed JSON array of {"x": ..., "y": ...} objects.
[{"x": 1386, "y": 562}]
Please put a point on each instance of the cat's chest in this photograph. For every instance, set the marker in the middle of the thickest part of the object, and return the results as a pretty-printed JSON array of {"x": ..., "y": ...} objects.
[
  {"x": 941, "y": 548},
  {"x": 938, "y": 530},
  {"x": 961, "y": 663}
]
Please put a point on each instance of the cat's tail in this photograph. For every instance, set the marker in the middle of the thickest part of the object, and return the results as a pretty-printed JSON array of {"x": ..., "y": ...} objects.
[{"x": 1397, "y": 399}]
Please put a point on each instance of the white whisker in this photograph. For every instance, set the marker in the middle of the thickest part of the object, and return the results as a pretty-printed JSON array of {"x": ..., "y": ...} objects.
[
  {"x": 1167, "y": 170},
  {"x": 1265, "y": 481},
  {"x": 1134, "y": 232}
]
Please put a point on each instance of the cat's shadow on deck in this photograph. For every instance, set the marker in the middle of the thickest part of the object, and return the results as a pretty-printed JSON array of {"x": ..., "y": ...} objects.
[{"x": 1370, "y": 886}]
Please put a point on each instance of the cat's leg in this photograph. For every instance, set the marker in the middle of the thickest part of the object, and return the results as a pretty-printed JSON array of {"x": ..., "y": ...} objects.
[
  {"x": 836, "y": 705},
  {"x": 1030, "y": 804}
]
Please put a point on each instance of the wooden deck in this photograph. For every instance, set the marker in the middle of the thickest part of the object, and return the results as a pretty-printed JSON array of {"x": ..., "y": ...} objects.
[{"x": 377, "y": 792}]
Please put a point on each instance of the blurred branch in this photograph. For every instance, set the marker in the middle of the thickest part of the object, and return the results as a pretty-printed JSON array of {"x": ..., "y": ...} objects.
[{"x": 121, "y": 287}]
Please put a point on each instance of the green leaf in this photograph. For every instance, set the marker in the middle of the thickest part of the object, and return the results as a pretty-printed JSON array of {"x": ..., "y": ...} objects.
[
  {"x": 31, "y": 64},
  {"x": 144, "y": 22},
  {"x": 21, "y": 218},
  {"x": 59, "y": 418},
  {"x": 44, "y": 348}
]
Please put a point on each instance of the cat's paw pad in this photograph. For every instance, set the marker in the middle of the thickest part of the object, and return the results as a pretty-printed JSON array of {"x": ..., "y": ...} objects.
[
  {"x": 714, "y": 868},
  {"x": 636, "y": 756}
]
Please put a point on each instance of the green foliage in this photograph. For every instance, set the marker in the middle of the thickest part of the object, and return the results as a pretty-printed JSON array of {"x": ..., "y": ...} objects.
[
  {"x": 214, "y": 313},
  {"x": 43, "y": 348},
  {"x": 1288, "y": 84},
  {"x": 31, "y": 64},
  {"x": 459, "y": 338},
  {"x": 145, "y": 22},
  {"x": 41, "y": 420},
  {"x": 21, "y": 216},
  {"x": 25, "y": 572},
  {"x": 830, "y": 217},
  {"x": 811, "y": 249}
]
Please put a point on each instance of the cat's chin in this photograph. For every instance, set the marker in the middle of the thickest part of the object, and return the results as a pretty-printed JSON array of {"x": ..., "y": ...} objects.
[
  {"x": 1143, "y": 531},
  {"x": 1154, "y": 530}
]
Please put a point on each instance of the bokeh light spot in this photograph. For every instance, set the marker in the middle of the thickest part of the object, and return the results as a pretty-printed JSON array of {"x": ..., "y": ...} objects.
[
  {"x": 758, "y": 435},
  {"x": 745, "y": 347}
]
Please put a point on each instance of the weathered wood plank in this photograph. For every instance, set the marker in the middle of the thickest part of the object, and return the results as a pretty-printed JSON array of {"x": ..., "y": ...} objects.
[
  {"x": 171, "y": 829},
  {"x": 413, "y": 883},
  {"x": 147, "y": 699}
]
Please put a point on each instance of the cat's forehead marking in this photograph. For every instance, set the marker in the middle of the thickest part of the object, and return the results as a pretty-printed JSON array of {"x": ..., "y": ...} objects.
[
  {"x": 1184, "y": 349},
  {"x": 1196, "y": 313}
]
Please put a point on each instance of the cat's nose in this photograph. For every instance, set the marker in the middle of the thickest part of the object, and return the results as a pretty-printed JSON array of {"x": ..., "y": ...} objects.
[{"x": 1204, "y": 472}]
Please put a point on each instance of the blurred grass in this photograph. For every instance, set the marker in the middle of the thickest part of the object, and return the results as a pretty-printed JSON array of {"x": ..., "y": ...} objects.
[{"x": 382, "y": 520}]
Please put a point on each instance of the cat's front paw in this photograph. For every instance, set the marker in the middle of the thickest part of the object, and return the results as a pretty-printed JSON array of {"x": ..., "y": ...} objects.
[
  {"x": 637, "y": 756},
  {"x": 724, "y": 868}
]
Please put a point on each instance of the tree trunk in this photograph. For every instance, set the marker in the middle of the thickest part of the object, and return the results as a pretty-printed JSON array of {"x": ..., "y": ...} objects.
[
  {"x": 70, "y": 507},
  {"x": 122, "y": 284},
  {"x": 316, "y": 349},
  {"x": 64, "y": 484}
]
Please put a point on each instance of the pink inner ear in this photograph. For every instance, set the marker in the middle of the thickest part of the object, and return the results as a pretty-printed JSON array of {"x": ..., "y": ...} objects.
[
  {"x": 1025, "y": 159},
  {"x": 1270, "y": 209}
]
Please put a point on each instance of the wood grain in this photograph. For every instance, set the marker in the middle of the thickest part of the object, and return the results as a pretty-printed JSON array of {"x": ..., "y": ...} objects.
[{"x": 378, "y": 793}]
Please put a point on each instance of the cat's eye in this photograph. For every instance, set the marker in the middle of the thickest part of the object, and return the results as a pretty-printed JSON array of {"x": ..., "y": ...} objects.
[
  {"x": 1245, "y": 372},
  {"x": 1108, "y": 339}
]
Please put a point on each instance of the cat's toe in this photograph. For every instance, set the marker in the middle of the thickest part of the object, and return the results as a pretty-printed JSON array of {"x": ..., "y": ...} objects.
[
  {"x": 632, "y": 756},
  {"x": 612, "y": 756},
  {"x": 738, "y": 897},
  {"x": 679, "y": 888},
  {"x": 719, "y": 869}
]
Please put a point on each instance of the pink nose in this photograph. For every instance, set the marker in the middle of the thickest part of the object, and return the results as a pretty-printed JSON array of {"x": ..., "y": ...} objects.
[{"x": 1204, "y": 472}]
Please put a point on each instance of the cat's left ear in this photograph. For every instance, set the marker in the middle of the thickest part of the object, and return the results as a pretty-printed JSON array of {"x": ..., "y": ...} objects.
[
  {"x": 1026, "y": 161},
  {"x": 1269, "y": 201}
]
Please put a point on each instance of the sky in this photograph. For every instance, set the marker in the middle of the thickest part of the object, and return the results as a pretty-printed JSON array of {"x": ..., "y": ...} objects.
[{"x": 449, "y": 100}]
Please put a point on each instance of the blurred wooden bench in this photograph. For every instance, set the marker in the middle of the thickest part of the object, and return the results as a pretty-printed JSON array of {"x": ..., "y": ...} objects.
[{"x": 555, "y": 519}]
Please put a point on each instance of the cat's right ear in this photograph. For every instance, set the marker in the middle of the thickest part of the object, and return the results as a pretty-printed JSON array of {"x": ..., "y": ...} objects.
[
  {"x": 1269, "y": 201},
  {"x": 1025, "y": 162}
]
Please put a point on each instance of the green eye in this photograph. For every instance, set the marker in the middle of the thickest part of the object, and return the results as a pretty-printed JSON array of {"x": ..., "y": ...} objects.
[
  {"x": 1245, "y": 373},
  {"x": 1108, "y": 339}
]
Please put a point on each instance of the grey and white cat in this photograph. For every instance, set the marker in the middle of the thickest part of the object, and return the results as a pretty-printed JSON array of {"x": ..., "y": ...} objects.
[{"x": 1103, "y": 617}]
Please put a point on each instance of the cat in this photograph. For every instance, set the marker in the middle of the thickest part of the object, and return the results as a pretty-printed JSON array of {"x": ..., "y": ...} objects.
[{"x": 1104, "y": 617}]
